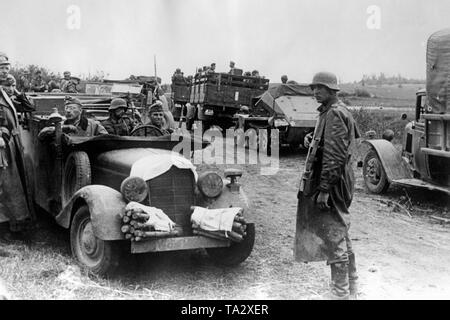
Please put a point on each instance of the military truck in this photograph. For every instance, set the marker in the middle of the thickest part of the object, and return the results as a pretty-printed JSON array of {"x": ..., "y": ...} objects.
[
  {"x": 425, "y": 157},
  {"x": 78, "y": 181},
  {"x": 289, "y": 108},
  {"x": 218, "y": 96}
]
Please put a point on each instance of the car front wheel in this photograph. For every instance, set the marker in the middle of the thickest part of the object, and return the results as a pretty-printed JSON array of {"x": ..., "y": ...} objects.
[
  {"x": 237, "y": 252},
  {"x": 374, "y": 175},
  {"x": 99, "y": 256}
]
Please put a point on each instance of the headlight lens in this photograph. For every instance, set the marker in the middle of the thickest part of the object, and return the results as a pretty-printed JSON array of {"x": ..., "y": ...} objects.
[
  {"x": 280, "y": 123},
  {"x": 134, "y": 189},
  {"x": 210, "y": 184}
]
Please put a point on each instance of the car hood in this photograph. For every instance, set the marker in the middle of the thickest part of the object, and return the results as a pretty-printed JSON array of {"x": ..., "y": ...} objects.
[{"x": 123, "y": 161}]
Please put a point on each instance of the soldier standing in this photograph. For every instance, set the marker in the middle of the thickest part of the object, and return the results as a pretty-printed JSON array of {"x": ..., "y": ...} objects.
[
  {"x": 25, "y": 81},
  {"x": 52, "y": 84},
  {"x": 326, "y": 190},
  {"x": 232, "y": 67},
  {"x": 15, "y": 206},
  {"x": 38, "y": 84},
  {"x": 118, "y": 123}
]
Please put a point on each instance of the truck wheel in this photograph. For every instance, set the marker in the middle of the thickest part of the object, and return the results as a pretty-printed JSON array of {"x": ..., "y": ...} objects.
[
  {"x": 374, "y": 175},
  {"x": 237, "y": 252},
  {"x": 99, "y": 256},
  {"x": 77, "y": 174}
]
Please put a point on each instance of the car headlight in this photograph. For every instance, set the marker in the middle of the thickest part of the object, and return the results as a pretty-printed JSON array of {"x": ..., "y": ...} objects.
[
  {"x": 134, "y": 189},
  {"x": 210, "y": 184},
  {"x": 280, "y": 123}
]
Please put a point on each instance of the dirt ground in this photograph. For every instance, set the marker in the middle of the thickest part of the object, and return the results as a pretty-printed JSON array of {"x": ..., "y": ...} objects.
[{"x": 398, "y": 257}]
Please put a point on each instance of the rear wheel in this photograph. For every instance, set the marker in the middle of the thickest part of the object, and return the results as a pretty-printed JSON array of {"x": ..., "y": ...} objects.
[
  {"x": 99, "y": 256},
  {"x": 374, "y": 175},
  {"x": 237, "y": 252}
]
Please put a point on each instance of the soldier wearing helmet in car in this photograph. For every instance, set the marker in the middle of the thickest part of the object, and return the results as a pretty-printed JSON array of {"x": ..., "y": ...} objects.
[
  {"x": 326, "y": 190},
  {"x": 118, "y": 123}
]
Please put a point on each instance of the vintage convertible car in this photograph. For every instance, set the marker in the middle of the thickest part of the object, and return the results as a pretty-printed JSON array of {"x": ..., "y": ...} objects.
[{"x": 78, "y": 181}]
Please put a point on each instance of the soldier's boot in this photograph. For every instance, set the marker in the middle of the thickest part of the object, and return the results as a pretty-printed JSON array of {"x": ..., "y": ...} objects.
[
  {"x": 352, "y": 276},
  {"x": 340, "y": 281}
]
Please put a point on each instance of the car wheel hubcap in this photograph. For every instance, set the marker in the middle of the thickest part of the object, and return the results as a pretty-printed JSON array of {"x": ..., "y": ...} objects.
[
  {"x": 373, "y": 171},
  {"x": 89, "y": 244}
]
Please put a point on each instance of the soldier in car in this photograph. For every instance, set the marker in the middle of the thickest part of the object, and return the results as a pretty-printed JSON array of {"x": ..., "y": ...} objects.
[
  {"x": 118, "y": 123},
  {"x": 156, "y": 125},
  {"x": 76, "y": 123}
]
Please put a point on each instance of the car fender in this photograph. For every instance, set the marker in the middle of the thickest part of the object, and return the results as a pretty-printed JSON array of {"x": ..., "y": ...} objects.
[
  {"x": 226, "y": 199},
  {"x": 105, "y": 206},
  {"x": 391, "y": 159}
]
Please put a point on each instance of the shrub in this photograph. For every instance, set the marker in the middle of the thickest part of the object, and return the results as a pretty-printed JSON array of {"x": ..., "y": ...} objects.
[
  {"x": 378, "y": 121},
  {"x": 363, "y": 93}
]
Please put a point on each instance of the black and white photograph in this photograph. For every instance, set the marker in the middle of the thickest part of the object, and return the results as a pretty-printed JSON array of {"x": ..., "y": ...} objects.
[{"x": 224, "y": 150}]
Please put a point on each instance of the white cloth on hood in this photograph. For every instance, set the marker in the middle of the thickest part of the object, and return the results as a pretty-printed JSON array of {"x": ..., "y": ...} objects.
[
  {"x": 157, "y": 218},
  {"x": 214, "y": 219},
  {"x": 152, "y": 166}
]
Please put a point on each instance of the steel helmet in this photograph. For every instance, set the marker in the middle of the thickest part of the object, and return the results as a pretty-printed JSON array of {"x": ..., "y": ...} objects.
[
  {"x": 117, "y": 103},
  {"x": 327, "y": 79}
]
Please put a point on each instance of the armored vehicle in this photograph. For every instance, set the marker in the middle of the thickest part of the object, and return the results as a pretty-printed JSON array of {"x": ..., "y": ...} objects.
[{"x": 289, "y": 108}]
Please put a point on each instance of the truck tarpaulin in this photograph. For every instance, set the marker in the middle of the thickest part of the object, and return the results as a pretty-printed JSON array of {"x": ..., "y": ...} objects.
[{"x": 438, "y": 72}]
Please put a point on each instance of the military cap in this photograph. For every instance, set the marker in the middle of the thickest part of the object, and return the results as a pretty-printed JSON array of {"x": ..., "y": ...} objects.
[
  {"x": 178, "y": 70},
  {"x": 156, "y": 107},
  {"x": 4, "y": 59},
  {"x": 326, "y": 79},
  {"x": 72, "y": 100},
  {"x": 117, "y": 103}
]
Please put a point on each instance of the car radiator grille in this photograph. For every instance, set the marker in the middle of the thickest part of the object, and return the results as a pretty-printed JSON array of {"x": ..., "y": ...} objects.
[{"x": 173, "y": 192}]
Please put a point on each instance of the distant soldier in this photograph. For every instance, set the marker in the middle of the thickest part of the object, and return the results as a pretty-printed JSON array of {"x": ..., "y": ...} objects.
[
  {"x": 52, "y": 84},
  {"x": 232, "y": 67},
  {"x": 284, "y": 79},
  {"x": 118, "y": 123},
  {"x": 326, "y": 190},
  {"x": 255, "y": 73},
  {"x": 38, "y": 84},
  {"x": 24, "y": 84},
  {"x": 69, "y": 83},
  {"x": 211, "y": 69},
  {"x": 199, "y": 72},
  {"x": 65, "y": 80}
]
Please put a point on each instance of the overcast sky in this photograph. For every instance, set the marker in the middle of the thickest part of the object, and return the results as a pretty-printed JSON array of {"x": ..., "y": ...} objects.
[{"x": 293, "y": 37}]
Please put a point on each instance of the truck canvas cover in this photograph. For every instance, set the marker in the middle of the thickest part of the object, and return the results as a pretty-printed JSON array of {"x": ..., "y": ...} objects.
[{"x": 438, "y": 71}]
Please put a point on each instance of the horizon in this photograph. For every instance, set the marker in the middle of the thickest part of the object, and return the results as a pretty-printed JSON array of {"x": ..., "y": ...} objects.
[{"x": 289, "y": 37}]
